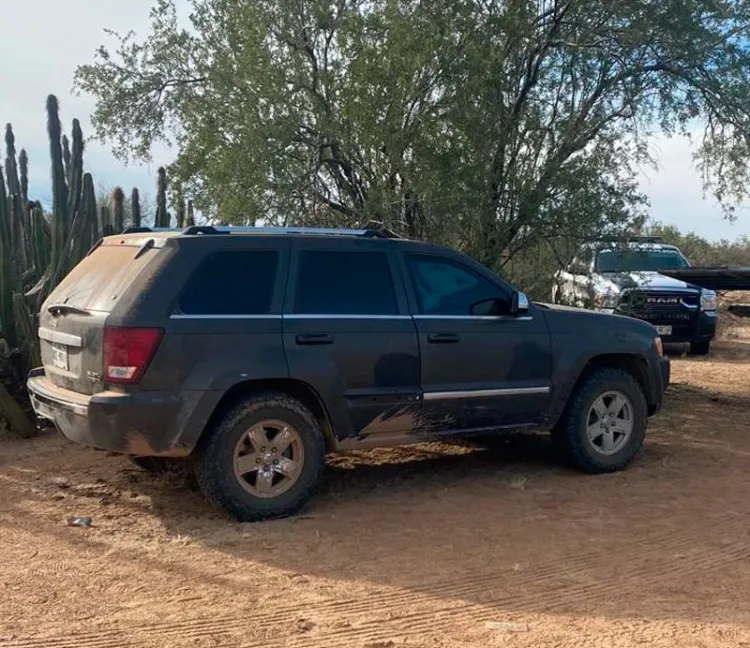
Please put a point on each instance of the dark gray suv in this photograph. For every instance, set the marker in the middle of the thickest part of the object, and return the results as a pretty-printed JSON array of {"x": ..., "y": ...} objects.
[{"x": 252, "y": 352}]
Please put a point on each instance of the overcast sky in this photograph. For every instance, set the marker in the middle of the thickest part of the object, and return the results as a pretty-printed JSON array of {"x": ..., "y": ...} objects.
[{"x": 41, "y": 60}]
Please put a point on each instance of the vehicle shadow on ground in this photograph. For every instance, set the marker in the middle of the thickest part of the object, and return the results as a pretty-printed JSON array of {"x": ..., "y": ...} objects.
[{"x": 509, "y": 530}]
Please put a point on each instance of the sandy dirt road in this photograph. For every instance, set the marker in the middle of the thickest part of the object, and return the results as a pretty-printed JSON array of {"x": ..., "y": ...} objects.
[{"x": 435, "y": 545}]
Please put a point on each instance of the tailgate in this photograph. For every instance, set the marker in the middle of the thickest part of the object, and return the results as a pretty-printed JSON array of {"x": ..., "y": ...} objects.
[{"x": 71, "y": 324}]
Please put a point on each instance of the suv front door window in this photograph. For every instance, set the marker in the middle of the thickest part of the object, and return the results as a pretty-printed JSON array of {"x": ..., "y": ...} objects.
[{"x": 444, "y": 287}]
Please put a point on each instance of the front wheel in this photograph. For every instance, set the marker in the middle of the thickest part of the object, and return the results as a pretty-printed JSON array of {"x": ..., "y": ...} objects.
[
  {"x": 700, "y": 348},
  {"x": 263, "y": 459},
  {"x": 604, "y": 425}
]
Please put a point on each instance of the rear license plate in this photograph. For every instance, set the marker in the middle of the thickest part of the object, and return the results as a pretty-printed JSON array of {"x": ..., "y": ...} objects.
[
  {"x": 664, "y": 330},
  {"x": 60, "y": 356}
]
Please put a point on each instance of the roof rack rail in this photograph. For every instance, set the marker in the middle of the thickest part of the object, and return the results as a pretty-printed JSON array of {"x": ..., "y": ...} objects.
[
  {"x": 373, "y": 229},
  {"x": 321, "y": 231}
]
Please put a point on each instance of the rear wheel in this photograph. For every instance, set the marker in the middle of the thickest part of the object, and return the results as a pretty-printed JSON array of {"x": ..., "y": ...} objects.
[
  {"x": 700, "y": 348},
  {"x": 605, "y": 422},
  {"x": 263, "y": 459}
]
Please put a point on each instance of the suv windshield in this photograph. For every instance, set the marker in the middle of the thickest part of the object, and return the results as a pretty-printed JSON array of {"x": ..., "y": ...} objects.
[{"x": 639, "y": 260}]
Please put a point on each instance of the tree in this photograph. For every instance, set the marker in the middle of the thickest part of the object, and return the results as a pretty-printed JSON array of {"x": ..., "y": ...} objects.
[{"x": 491, "y": 124}]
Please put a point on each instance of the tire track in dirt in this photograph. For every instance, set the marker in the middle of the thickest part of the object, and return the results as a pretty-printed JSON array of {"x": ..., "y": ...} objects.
[{"x": 547, "y": 598}]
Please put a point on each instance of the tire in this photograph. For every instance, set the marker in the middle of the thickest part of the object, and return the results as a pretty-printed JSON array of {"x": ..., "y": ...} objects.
[
  {"x": 601, "y": 455},
  {"x": 700, "y": 348},
  {"x": 158, "y": 465},
  {"x": 262, "y": 492}
]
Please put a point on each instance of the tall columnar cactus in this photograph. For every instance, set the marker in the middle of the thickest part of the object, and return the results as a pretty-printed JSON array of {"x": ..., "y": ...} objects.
[
  {"x": 23, "y": 167},
  {"x": 60, "y": 224},
  {"x": 180, "y": 215},
  {"x": 16, "y": 204},
  {"x": 7, "y": 269},
  {"x": 66, "y": 157},
  {"x": 75, "y": 171},
  {"x": 118, "y": 202},
  {"x": 162, "y": 217},
  {"x": 105, "y": 221},
  {"x": 88, "y": 204},
  {"x": 135, "y": 207},
  {"x": 190, "y": 214}
]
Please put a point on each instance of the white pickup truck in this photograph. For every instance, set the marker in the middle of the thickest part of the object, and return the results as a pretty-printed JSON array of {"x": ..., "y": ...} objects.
[{"x": 625, "y": 278}]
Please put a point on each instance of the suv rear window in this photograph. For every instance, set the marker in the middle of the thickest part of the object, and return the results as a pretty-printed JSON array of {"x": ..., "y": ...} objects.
[
  {"x": 232, "y": 283},
  {"x": 345, "y": 283},
  {"x": 103, "y": 276}
]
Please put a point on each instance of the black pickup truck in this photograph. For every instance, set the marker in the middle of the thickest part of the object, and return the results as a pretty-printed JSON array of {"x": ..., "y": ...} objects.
[{"x": 252, "y": 352}]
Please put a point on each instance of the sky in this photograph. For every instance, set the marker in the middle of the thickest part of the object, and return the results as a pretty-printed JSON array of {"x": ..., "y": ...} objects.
[{"x": 35, "y": 63}]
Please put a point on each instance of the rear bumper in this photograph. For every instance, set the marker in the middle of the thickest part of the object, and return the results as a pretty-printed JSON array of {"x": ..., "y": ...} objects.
[{"x": 142, "y": 423}]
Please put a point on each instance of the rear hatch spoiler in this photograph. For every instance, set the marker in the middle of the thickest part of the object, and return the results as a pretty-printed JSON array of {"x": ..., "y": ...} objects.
[{"x": 712, "y": 277}]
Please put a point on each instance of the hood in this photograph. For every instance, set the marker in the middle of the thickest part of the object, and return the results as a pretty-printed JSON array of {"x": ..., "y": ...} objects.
[
  {"x": 646, "y": 281},
  {"x": 568, "y": 319}
]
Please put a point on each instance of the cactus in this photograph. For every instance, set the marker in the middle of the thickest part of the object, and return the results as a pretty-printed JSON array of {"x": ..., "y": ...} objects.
[
  {"x": 118, "y": 200},
  {"x": 23, "y": 165},
  {"x": 162, "y": 217},
  {"x": 66, "y": 158},
  {"x": 105, "y": 221},
  {"x": 88, "y": 204},
  {"x": 180, "y": 209},
  {"x": 60, "y": 224},
  {"x": 7, "y": 270},
  {"x": 75, "y": 171},
  {"x": 135, "y": 207},
  {"x": 190, "y": 214}
]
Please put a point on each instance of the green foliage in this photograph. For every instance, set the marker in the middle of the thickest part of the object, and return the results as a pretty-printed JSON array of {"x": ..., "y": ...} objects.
[{"x": 501, "y": 126}]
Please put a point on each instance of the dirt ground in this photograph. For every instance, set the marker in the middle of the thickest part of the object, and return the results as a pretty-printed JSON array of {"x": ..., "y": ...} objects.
[{"x": 435, "y": 545}]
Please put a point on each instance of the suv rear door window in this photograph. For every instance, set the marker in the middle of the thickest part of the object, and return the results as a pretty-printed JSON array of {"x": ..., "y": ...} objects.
[
  {"x": 446, "y": 287},
  {"x": 232, "y": 283},
  {"x": 344, "y": 283}
]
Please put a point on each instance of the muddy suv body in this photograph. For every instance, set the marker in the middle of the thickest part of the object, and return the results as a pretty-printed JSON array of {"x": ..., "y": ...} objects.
[{"x": 253, "y": 353}]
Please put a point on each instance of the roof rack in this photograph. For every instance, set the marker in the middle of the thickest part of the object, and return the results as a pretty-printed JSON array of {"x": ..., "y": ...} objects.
[{"x": 197, "y": 230}]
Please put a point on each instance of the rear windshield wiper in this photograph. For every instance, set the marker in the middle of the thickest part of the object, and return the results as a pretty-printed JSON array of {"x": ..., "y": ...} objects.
[{"x": 66, "y": 308}]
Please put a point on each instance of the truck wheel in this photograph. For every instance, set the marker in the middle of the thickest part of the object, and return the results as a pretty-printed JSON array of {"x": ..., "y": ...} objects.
[
  {"x": 263, "y": 459},
  {"x": 604, "y": 424},
  {"x": 700, "y": 348}
]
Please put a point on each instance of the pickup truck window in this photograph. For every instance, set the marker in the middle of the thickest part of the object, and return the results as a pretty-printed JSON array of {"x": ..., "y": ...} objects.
[
  {"x": 446, "y": 287},
  {"x": 344, "y": 283},
  {"x": 232, "y": 283}
]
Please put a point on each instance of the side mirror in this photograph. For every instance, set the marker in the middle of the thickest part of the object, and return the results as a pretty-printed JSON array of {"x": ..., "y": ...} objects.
[{"x": 519, "y": 303}]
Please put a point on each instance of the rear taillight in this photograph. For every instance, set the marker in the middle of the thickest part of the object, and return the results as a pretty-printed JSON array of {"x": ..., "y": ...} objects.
[{"x": 128, "y": 352}]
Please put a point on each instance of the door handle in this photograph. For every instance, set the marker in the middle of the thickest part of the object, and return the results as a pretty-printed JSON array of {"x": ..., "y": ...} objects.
[
  {"x": 443, "y": 338},
  {"x": 314, "y": 338}
]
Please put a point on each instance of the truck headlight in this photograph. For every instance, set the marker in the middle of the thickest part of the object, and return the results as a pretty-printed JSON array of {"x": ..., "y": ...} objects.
[
  {"x": 709, "y": 300},
  {"x": 606, "y": 299}
]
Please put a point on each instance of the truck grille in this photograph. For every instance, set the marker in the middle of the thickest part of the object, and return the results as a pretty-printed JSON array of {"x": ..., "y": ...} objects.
[{"x": 660, "y": 306}]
